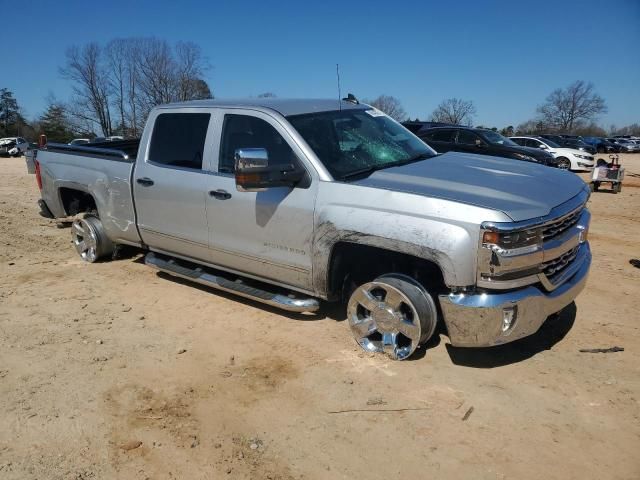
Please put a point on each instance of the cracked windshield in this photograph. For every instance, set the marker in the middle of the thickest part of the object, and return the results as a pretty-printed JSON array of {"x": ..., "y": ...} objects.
[{"x": 351, "y": 142}]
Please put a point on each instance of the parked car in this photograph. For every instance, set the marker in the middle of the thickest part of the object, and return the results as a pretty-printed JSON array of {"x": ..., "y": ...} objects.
[
  {"x": 13, "y": 146},
  {"x": 625, "y": 145},
  {"x": 568, "y": 158},
  {"x": 602, "y": 145},
  {"x": 575, "y": 143},
  {"x": 79, "y": 141},
  {"x": 484, "y": 142},
  {"x": 309, "y": 200}
]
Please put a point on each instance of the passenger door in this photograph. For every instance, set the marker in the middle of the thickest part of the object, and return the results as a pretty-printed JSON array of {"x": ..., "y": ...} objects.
[
  {"x": 170, "y": 185},
  {"x": 471, "y": 142},
  {"x": 441, "y": 140},
  {"x": 266, "y": 234}
]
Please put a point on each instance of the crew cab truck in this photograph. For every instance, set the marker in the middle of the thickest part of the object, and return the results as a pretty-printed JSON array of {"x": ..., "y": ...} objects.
[{"x": 293, "y": 202}]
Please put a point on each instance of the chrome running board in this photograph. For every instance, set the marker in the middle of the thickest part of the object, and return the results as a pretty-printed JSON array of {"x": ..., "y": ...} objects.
[{"x": 204, "y": 276}]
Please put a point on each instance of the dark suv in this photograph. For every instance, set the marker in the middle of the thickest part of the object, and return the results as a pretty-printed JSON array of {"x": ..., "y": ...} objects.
[
  {"x": 567, "y": 142},
  {"x": 484, "y": 142},
  {"x": 602, "y": 145}
]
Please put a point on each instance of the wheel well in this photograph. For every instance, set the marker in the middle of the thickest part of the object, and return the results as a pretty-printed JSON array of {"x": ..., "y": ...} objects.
[
  {"x": 355, "y": 264},
  {"x": 76, "y": 201}
]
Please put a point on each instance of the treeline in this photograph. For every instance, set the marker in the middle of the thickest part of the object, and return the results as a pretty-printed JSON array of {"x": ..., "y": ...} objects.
[
  {"x": 114, "y": 86},
  {"x": 571, "y": 110}
]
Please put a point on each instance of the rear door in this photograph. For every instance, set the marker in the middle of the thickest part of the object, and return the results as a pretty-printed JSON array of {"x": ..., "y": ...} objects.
[
  {"x": 441, "y": 140},
  {"x": 266, "y": 234},
  {"x": 170, "y": 183}
]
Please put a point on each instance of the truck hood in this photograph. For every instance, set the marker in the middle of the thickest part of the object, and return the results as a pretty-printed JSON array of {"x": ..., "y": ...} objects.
[{"x": 521, "y": 190}]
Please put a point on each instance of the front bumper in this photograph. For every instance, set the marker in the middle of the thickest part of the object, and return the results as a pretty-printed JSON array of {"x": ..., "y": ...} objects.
[{"x": 476, "y": 320}]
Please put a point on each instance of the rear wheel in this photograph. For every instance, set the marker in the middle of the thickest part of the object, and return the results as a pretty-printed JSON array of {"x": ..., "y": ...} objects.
[
  {"x": 596, "y": 186},
  {"x": 564, "y": 163},
  {"x": 393, "y": 314},
  {"x": 89, "y": 239}
]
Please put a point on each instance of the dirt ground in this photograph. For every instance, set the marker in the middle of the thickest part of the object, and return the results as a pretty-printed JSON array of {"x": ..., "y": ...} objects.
[{"x": 114, "y": 371}]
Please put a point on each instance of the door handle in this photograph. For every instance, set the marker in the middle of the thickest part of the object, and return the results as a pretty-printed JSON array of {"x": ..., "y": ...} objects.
[
  {"x": 220, "y": 194},
  {"x": 145, "y": 182}
]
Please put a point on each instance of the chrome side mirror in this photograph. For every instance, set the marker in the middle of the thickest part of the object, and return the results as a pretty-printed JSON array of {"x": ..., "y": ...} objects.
[
  {"x": 249, "y": 164},
  {"x": 254, "y": 174}
]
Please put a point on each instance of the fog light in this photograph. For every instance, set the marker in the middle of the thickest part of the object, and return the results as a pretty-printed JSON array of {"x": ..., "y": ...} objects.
[{"x": 509, "y": 316}]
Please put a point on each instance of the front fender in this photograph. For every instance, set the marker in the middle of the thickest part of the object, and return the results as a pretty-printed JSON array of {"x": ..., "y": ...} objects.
[{"x": 452, "y": 247}]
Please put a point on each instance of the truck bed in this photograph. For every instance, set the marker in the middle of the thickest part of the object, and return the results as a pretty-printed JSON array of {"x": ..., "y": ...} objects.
[
  {"x": 104, "y": 173},
  {"x": 120, "y": 149}
]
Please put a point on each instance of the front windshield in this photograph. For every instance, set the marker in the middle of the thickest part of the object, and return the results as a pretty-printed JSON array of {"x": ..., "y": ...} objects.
[
  {"x": 550, "y": 143},
  {"x": 496, "y": 139},
  {"x": 351, "y": 141}
]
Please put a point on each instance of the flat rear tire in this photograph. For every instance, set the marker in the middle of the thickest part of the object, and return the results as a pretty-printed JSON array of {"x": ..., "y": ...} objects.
[{"x": 89, "y": 239}]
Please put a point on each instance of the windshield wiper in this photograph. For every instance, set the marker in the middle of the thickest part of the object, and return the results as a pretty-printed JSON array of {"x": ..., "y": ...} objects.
[
  {"x": 421, "y": 156},
  {"x": 361, "y": 171},
  {"x": 374, "y": 168}
]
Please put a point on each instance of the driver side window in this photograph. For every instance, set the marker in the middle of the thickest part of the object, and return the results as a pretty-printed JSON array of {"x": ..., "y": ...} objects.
[{"x": 245, "y": 131}]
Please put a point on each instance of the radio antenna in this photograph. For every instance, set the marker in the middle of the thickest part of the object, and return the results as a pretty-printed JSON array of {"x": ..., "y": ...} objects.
[{"x": 339, "y": 94}]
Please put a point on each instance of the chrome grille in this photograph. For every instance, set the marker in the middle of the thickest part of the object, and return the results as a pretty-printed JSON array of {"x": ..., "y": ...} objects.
[
  {"x": 556, "y": 265},
  {"x": 556, "y": 227}
]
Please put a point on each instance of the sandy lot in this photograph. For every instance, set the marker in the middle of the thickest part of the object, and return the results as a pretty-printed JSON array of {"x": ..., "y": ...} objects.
[{"x": 113, "y": 371}]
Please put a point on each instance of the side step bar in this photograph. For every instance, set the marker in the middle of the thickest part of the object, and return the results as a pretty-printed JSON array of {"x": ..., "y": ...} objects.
[{"x": 199, "y": 274}]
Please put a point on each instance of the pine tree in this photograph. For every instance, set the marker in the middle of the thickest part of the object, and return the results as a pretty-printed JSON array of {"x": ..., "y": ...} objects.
[{"x": 55, "y": 126}]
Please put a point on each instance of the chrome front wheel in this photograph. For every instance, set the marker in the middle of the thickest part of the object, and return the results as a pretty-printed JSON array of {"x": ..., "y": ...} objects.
[
  {"x": 89, "y": 239},
  {"x": 564, "y": 163},
  {"x": 393, "y": 314}
]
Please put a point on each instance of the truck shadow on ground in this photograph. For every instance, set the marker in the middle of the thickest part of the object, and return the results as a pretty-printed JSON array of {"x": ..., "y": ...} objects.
[{"x": 552, "y": 331}]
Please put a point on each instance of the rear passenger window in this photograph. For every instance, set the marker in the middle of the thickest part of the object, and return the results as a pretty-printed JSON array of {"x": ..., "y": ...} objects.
[
  {"x": 244, "y": 131},
  {"x": 178, "y": 139},
  {"x": 441, "y": 136}
]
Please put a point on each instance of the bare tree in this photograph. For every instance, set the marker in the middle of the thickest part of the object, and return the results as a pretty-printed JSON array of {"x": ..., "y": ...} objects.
[
  {"x": 190, "y": 67},
  {"x": 132, "y": 75},
  {"x": 389, "y": 105},
  {"x": 267, "y": 95},
  {"x": 454, "y": 110},
  {"x": 84, "y": 67},
  {"x": 116, "y": 53},
  {"x": 565, "y": 109}
]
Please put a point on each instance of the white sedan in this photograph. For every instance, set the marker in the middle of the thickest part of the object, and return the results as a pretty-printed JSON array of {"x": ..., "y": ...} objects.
[
  {"x": 13, "y": 146},
  {"x": 568, "y": 158}
]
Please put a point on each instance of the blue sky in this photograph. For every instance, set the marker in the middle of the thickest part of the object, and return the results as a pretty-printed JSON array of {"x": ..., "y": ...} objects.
[{"x": 505, "y": 56}]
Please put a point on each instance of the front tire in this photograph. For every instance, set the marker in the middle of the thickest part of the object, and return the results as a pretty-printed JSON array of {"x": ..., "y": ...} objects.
[
  {"x": 564, "y": 163},
  {"x": 89, "y": 239},
  {"x": 393, "y": 314}
]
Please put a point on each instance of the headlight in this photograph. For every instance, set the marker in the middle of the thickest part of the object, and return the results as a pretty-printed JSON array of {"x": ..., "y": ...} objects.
[
  {"x": 522, "y": 156},
  {"x": 586, "y": 157},
  {"x": 529, "y": 239}
]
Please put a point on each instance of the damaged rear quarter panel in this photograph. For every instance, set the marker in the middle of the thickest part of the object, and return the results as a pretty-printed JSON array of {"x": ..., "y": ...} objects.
[{"x": 441, "y": 231}]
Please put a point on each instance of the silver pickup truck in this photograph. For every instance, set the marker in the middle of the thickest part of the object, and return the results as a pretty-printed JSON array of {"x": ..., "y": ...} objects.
[{"x": 289, "y": 202}]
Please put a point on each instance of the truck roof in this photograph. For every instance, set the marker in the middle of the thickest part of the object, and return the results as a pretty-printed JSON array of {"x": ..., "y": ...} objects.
[{"x": 285, "y": 106}]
